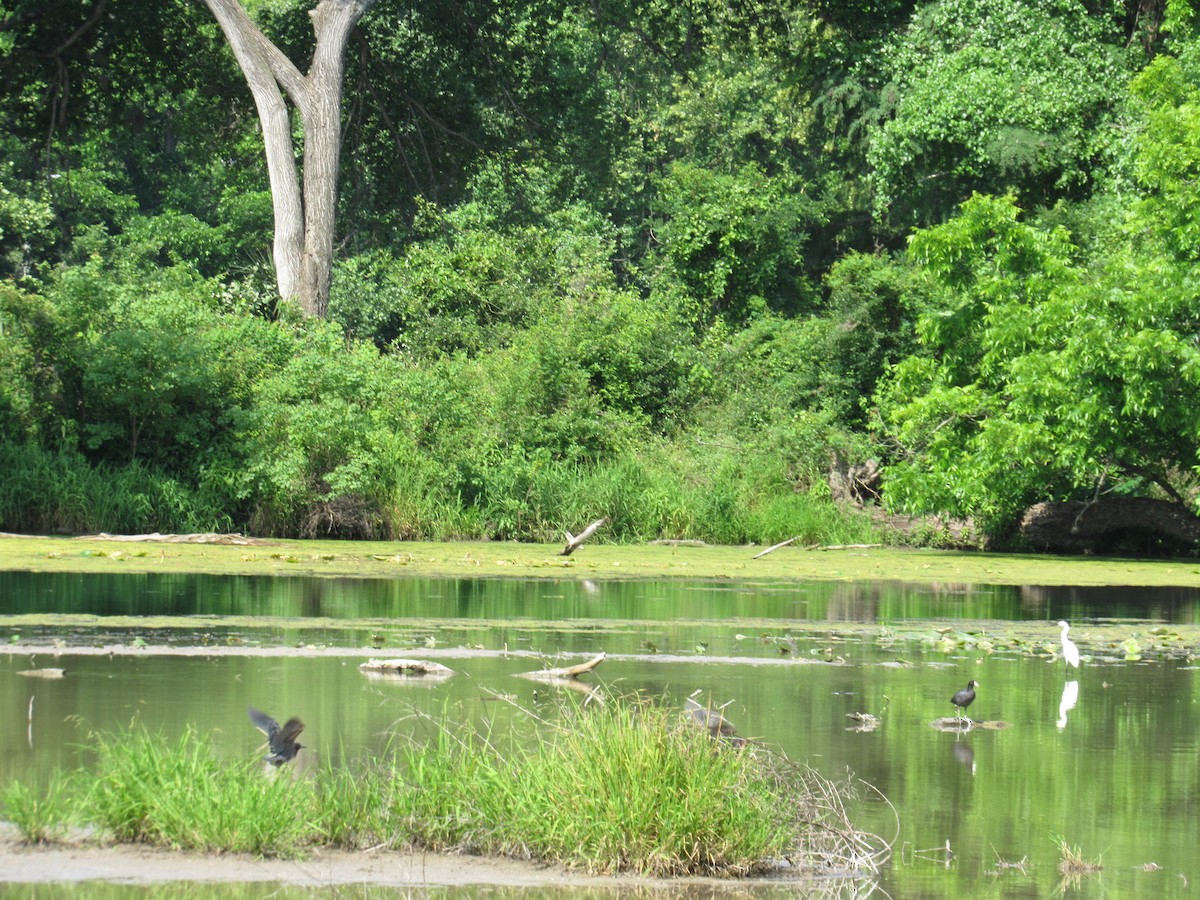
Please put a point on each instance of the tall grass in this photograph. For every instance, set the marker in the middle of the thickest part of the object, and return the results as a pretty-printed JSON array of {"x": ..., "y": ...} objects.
[
  {"x": 44, "y": 492},
  {"x": 719, "y": 495},
  {"x": 633, "y": 787},
  {"x": 40, "y": 814},
  {"x": 626, "y": 786},
  {"x": 148, "y": 789}
]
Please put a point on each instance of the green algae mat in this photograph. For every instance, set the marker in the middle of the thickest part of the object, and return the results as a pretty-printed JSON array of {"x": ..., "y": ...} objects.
[{"x": 234, "y": 555}]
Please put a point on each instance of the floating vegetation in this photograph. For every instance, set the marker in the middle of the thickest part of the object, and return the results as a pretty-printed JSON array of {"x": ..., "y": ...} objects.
[
  {"x": 1073, "y": 863},
  {"x": 863, "y": 722},
  {"x": 1132, "y": 649}
]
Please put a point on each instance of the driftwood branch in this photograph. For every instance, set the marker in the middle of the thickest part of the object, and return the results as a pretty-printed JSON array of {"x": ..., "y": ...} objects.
[
  {"x": 575, "y": 542},
  {"x": 205, "y": 538},
  {"x": 845, "y": 546},
  {"x": 777, "y": 546},
  {"x": 817, "y": 546},
  {"x": 568, "y": 672}
]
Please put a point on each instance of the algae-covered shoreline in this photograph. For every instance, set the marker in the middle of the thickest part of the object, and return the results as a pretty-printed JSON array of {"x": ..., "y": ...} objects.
[{"x": 393, "y": 559}]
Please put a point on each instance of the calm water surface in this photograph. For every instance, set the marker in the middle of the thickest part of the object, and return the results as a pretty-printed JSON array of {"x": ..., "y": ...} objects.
[{"x": 1104, "y": 757}]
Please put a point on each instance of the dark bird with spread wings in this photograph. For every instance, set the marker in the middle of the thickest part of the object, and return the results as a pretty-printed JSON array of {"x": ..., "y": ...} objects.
[{"x": 280, "y": 741}]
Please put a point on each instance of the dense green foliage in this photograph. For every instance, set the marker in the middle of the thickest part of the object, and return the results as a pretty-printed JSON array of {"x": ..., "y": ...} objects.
[{"x": 647, "y": 261}]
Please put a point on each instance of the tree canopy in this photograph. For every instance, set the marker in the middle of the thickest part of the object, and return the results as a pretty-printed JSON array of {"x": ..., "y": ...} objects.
[{"x": 664, "y": 262}]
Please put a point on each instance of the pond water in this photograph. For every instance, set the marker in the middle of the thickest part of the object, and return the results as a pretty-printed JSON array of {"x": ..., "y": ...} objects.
[{"x": 1104, "y": 758}]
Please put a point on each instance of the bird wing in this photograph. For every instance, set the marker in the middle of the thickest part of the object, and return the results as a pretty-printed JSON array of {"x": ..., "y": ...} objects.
[
  {"x": 265, "y": 723},
  {"x": 288, "y": 733},
  {"x": 714, "y": 722}
]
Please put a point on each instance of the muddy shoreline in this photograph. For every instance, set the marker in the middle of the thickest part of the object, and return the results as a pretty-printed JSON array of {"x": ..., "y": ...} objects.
[{"x": 77, "y": 862}]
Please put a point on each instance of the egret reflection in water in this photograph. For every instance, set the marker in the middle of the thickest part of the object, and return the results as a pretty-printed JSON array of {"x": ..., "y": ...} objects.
[{"x": 1070, "y": 696}]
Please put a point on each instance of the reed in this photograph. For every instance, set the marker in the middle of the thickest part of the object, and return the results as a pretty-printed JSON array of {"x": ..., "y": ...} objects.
[
  {"x": 662, "y": 491},
  {"x": 1073, "y": 862},
  {"x": 45, "y": 492}
]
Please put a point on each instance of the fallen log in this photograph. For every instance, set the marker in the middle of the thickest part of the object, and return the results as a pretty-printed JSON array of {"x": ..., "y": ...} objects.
[
  {"x": 42, "y": 673},
  {"x": 1074, "y": 526},
  {"x": 845, "y": 547},
  {"x": 956, "y": 725},
  {"x": 204, "y": 538},
  {"x": 406, "y": 667},
  {"x": 566, "y": 673}
]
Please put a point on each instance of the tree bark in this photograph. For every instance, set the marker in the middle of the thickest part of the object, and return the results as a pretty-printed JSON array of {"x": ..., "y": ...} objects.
[{"x": 304, "y": 218}]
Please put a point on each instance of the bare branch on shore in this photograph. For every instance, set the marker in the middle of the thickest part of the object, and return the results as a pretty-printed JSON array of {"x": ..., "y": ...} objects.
[{"x": 574, "y": 542}]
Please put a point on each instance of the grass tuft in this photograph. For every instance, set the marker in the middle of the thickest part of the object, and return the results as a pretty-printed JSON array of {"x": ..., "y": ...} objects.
[
  {"x": 147, "y": 789},
  {"x": 627, "y": 786},
  {"x": 41, "y": 816},
  {"x": 619, "y": 786}
]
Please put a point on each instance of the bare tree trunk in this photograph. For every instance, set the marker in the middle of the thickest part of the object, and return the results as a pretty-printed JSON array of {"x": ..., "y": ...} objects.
[{"x": 304, "y": 222}]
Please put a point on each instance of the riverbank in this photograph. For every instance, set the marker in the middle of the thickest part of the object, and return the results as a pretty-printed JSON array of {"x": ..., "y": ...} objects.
[
  {"x": 73, "y": 863},
  {"x": 391, "y": 559}
]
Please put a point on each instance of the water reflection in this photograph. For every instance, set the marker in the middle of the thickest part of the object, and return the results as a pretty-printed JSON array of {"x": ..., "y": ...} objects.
[
  {"x": 497, "y": 598},
  {"x": 964, "y": 754},
  {"x": 1121, "y": 781},
  {"x": 1070, "y": 696}
]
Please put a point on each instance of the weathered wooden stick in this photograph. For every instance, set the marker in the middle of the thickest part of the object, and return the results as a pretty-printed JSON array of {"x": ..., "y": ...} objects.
[
  {"x": 846, "y": 546},
  {"x": 574, "y": 543},
  {"x": 777, "y": 546},
  {"x": 42, "y": 673},
  {"x": 564, "y": 673}
]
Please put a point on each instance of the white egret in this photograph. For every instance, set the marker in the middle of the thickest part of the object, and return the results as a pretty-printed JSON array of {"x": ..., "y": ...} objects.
[{"x": 1070, "y": 651}]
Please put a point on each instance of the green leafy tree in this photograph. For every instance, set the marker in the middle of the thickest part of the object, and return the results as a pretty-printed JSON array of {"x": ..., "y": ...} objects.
[
  {"x": 151, "y": 370},
  {"x": 996, "y": 96},
  {"x": 124, "y": 133},
  {"x": 1039, "y": 378},
  {"x": 321, "y": 437},
  {"x": 732, "y": 244}
]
